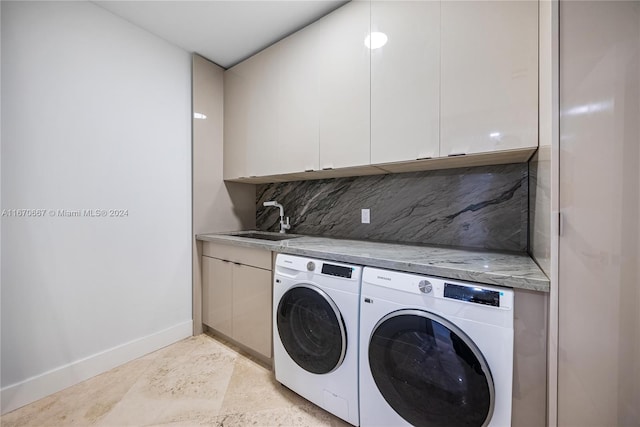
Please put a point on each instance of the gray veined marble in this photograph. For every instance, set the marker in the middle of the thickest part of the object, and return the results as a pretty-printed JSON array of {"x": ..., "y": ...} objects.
[
  {"x": 481, "y": 207},
  {"x": 516, "y": 270}
]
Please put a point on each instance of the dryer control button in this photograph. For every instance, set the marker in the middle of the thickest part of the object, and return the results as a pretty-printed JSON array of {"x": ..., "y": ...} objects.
[
  {"x": 311, "y": 266},
  {"x": 425, "y": 286}
]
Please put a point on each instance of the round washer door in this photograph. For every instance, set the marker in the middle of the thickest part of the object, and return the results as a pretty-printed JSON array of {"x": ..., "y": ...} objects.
[
  {"x": 311, "y": 329},
  {"x": 429, "y": 371}
]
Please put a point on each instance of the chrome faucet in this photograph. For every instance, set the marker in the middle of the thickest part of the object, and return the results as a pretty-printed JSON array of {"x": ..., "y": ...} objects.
[{"x": 284, "y": 226}]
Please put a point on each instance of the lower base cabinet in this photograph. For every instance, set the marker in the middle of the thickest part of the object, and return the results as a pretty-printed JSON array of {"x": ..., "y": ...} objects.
[
  {"x": 251, "y": 322},
  {"x": 217, "y": 294},
  {"x": 237, "y": 295}
]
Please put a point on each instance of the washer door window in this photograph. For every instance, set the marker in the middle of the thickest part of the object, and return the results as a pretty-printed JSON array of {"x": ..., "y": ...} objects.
[
  {"x": 429, "y": 371},
  {"x": 311, "y": 329}
]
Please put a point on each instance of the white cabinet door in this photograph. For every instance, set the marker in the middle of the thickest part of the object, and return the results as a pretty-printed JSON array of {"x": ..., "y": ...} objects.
[
  {"x": 405, "y": 81},
  {"x": 261, "y": 73},
  {"x": 303, "y": 103},
  {"x": 297, "y": 102},
  {"x": 271, "y": 111},
  {"x": 217, "y": 294},
  {"x": 489, "y": 98},
  {"x": 344, "y": 86},
  {"x": 237, "y": 298},
  {"x": 251, "y": 131},
  {"x": 252, "y": 308}
]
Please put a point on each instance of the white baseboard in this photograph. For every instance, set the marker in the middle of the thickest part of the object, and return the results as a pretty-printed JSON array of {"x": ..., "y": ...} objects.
[{"x": 35, "y": 388}]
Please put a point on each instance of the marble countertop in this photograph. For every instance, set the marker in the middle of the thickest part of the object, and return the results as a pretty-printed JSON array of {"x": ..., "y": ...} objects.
[{"x": 496, "y": 268}]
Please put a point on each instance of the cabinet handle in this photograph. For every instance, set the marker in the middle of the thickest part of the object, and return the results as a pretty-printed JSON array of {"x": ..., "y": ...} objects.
[
  {"x": 456, "y": 154},
  {"x": 237, "y": 263},
  {"x": 424, "y": 158},
  {"x": 308, "y": 170},
  {"x": 328, "y": 168}
]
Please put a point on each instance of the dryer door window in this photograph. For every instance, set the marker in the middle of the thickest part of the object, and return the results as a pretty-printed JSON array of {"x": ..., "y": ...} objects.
[
  {"x": 311, "y": 329},
  {"x": 429, "y": 371}
]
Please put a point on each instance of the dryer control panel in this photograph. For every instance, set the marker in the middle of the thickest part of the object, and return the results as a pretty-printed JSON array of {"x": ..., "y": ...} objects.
[{"x": 436, "y": 288}]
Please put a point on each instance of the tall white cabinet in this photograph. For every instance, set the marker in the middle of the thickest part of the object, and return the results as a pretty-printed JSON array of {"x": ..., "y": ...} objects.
[
  {"x": 405, "y": 81},
  {"x": 489, "y": 78}
]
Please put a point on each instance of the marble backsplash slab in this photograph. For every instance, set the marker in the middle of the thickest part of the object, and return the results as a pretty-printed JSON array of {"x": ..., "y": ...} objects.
[{"x": 480, "y": 207}]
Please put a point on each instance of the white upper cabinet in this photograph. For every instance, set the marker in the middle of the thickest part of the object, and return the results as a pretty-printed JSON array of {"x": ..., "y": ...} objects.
[
  {"x": 454, "y": 77},
  {"x": 302, "y": 100},
  {"x": 489, "y": 76},
  {"x": 405, "y": 81},
  {"x": 297, "y": 103},
  {"x": 344, "y": 86},
  {"x": 262, "y": 132},
  {"x": 250, "y": 125}
]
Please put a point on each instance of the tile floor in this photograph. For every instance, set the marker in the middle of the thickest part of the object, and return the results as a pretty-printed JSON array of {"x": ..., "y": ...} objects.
[{"x": 197, "y": 381}]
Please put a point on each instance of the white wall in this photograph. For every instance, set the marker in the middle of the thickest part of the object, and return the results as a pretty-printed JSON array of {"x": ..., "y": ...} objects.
[{"x": 96, "y": 115}]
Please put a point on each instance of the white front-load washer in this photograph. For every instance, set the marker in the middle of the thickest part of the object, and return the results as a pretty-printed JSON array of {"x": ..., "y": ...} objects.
[
  {"x": 315, "y": 331},
  {"x": 434, "y": 352}
]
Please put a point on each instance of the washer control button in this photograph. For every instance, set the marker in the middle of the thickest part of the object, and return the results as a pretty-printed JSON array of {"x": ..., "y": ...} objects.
[
  {"x": 311, "y": 266},
  {"x": 425, "y": 286}
]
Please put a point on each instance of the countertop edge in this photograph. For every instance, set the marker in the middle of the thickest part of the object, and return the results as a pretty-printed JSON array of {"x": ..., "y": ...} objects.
[{"x": 492, "y": 278}]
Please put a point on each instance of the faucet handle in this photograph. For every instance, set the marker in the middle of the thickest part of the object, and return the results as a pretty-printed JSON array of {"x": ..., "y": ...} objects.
[{"x": 286, "y": 225}]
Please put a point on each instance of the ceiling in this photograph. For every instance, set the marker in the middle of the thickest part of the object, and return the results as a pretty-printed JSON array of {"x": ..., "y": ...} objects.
[{"x": 225, "y": 32}]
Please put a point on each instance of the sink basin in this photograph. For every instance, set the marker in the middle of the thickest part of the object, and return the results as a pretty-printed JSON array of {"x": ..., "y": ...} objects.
[{"x": 261, "y": 236}]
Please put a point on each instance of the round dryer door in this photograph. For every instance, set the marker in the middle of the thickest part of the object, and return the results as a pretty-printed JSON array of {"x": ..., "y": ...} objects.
[
  {"x": 311, "y": 329},
  {"x": 429, "y": 371}
]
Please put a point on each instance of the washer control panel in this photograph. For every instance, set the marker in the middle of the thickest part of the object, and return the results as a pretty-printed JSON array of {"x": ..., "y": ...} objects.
[
  {"x": 292, "y": 266},
  {"x": 337, "y": 270},
  {"x": 473, "y": 294}
]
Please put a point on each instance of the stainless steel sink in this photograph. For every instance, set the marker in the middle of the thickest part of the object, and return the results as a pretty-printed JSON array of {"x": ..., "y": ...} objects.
[{"x": 264, "y": 236}]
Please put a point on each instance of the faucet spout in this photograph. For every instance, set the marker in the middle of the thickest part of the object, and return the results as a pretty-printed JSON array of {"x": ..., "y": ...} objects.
[
  {"x": 275, "y": 203},
  {"x": 284, "y": 225}
]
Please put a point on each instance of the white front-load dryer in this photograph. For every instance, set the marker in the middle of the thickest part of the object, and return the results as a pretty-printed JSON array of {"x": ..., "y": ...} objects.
[
  {"x": 434, "y": 352},
  {"x": 315, "y": 332}
]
